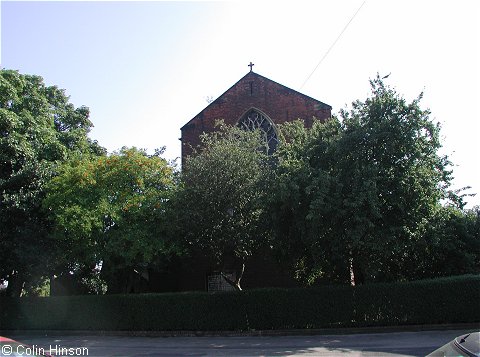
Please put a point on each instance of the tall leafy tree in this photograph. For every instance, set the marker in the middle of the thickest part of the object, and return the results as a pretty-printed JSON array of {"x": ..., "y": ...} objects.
[
  {"x": 39, "y": 128},
  {"x": 368, "y": 188},
  {"x": 303, "y": 201},
  {"x": 393, "y": 180},
  {"x": 110, "y": 211},
  {"x": 222, "y": 197}
]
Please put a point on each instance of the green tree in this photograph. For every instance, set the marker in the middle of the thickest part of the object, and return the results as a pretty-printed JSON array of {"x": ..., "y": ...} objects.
[
  {"x": 221, "y": 200},
  {"x": 302, "y": 202},
  {"x": 110, "y": 211},
  {"x": 393, "y": 181},
  {"x": 39, "y": 128},
  {"x": 369, "y": 185},
  {"x": 451, "y": 245}
]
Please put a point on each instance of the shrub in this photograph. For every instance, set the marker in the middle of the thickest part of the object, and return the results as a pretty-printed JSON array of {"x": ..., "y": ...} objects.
[{"x": 445, "y": 300}]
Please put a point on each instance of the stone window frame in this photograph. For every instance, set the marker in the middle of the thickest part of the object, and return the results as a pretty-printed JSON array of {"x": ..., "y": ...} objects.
[{"x": 263, "y": 122}]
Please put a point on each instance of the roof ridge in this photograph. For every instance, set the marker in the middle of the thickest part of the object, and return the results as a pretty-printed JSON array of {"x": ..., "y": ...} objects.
[{"x": 252, "y": 73}]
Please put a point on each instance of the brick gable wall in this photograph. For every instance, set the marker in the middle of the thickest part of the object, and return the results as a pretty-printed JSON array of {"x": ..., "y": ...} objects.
[{"x": 280, "y": 103}]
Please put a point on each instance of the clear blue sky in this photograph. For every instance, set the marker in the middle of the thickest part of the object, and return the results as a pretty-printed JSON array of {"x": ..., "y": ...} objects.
[{"x": 145, "y": 68}]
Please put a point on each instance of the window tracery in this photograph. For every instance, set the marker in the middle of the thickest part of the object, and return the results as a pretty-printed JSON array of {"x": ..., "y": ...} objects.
[{"x": 254, "y": 119}]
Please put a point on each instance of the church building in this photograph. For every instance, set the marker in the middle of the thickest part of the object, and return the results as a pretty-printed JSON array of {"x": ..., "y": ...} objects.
[{"x": 254, "y": 102}]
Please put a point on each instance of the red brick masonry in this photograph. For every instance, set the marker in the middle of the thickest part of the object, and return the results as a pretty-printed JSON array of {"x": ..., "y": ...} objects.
[{"x": 279, "y": 103}]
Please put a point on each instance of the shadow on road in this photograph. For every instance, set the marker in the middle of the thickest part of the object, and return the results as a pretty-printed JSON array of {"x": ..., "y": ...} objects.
[{"x": 373, "y": 344}]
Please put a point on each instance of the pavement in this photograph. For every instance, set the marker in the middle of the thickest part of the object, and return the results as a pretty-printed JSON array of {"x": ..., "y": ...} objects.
[{"x": 406, "y": 343}]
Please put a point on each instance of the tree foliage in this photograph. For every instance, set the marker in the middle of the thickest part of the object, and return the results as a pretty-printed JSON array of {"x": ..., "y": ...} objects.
[
  {"x": 360, "y": 198},
  {"x": 221, "y": 200},
  {"x": 451, "y": 244},
  {"x": 111, "y": 211},
  {"x": 304, "y": 184},
  {"x": 355, "y": 196},
  {"x": 39, "y": 128}
]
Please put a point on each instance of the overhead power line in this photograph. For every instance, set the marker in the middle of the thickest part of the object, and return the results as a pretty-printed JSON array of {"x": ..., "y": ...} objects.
[{"x": 334, "y": 43}]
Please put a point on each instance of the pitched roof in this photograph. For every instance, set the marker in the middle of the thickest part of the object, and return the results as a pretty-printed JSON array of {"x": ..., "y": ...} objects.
[{"x": 256, "y": 75}]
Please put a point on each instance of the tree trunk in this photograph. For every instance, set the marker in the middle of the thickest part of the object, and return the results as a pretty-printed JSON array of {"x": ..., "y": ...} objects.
[
  {"x": 352, "y": 274},
  {"x": 238, "y": 276},
  {"x": 16, "y": 282},
  {"x": 115, "y": 278},
  {"x": 356, "y": 272}
]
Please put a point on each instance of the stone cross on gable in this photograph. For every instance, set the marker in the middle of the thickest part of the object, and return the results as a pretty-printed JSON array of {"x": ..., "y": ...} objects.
[{"x": 251, "y": 66}]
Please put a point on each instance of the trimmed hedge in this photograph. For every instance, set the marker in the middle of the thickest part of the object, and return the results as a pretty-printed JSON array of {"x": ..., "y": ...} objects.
[
  {"x": 142, "y": 312},
  {"x": 446, "y": 300},
  {"x": 299, "y": 308}
]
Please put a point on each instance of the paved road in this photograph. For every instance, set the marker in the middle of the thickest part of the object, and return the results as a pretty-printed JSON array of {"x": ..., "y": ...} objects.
[{"x": 373, "y": 344}]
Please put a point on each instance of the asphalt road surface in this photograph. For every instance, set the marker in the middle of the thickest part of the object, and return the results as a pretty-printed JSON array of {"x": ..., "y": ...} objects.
[{"x": 365, "y": 344}]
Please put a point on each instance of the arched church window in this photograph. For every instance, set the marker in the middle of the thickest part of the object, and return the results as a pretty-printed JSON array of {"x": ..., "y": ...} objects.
[{"x": 254, "y": 119}]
